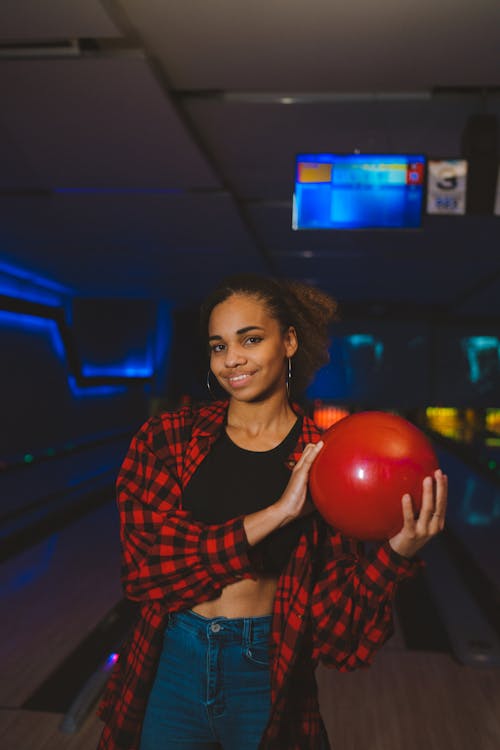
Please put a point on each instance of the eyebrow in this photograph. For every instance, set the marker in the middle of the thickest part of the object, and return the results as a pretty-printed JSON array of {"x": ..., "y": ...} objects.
[{"x": 239, "y": 332}]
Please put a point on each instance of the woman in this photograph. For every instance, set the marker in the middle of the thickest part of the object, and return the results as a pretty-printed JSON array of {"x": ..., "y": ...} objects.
[{"x": 243, "y": 586}]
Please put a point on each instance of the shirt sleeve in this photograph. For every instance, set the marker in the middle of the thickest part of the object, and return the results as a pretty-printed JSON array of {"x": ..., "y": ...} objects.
[
  {"x": 352, "y": 601},
  {"x": 166, "y": 555}
]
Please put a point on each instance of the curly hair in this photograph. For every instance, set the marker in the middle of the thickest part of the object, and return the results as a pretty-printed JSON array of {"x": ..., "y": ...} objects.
[{"x": 309, "y": 310}]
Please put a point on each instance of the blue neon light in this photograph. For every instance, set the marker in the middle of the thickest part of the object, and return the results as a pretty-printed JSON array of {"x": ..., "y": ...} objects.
[
  {"x": 33, "y": 278},
  {"x": 34, "y": 323},
  {"x": 93, "y": 390},
  {"x": 20, "y": 290},
  {"x": 357, "y": 340},
  {"x": 46, "y": 325},
  {"x": 483, "y": 354},
  {"x": 30, "y": 287},
  {"x": 121, "y": 371}
]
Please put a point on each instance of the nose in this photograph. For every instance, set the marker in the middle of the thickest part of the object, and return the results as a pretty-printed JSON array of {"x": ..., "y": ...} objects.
[{"x": 234, "y": 356}]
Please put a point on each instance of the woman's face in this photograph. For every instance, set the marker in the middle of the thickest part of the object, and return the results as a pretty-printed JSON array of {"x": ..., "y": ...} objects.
[{"x": 248, "y": 350}]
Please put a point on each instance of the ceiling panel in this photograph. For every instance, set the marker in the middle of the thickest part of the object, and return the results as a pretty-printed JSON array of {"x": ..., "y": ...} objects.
[
  {"x": 409, "y": 280},
  {"x": 449, "y": 258},
  {"x": 134, "y": 245},
  {"x": 57, "y": 19},
  {"x": 320, "y": 45},
  {"x": 255, "y": 145},
  {"x": 157, "y": 185},
  {"x": 95, "y": 122}
]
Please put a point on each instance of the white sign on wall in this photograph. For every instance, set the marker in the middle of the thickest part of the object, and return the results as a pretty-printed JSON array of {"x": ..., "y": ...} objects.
[{"x": 446, "y": 186}]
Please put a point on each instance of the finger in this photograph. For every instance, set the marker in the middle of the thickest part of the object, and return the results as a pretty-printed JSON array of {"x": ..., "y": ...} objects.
[
  {"x": 439, "y": 515},
  {"x": 428, "y": 506},
  {"x": 408, "y": 512},
  {"x": 309, "y": 454}
]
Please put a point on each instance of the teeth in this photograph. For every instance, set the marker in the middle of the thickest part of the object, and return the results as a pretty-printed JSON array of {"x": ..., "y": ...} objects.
[{"x": 238, "y": 377}]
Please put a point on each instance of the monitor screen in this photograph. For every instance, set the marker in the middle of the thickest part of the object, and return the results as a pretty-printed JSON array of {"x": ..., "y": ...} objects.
[{"x": 358, "y": 191}]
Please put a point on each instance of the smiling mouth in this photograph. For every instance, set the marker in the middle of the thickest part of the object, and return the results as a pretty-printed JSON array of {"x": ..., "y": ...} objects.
[{"x": 238, "y": 380}]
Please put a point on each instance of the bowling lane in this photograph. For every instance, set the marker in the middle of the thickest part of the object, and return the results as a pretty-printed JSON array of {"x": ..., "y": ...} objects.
[
  {"x": 27, "y": 489},
  {"x": 410, "y": 701},
  {"x": 474, "y": 513},
  {"x": 468, "y": 444},
  {"x": 34, "y": 730},
  {"x": 413, "y": 699},
  {"x": 55, "y": 593},
  {"x": 52, "y": 596}
]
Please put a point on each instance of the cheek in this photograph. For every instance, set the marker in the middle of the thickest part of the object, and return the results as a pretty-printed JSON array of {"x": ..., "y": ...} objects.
[{"x": 276, "y": 360}]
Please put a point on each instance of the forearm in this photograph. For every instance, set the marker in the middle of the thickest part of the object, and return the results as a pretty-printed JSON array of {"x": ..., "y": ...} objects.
[
  {"x": 263, "y": 522},
  {"x": 292, "y": 504},
  {"x": 183, "y": 558}
]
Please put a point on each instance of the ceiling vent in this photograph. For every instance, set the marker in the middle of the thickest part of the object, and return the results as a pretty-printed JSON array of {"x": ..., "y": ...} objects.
[{"x": 36, "y": 50}]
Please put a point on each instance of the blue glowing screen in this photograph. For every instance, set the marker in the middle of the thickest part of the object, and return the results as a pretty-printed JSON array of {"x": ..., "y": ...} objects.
[{"x": 358, "y": 191}]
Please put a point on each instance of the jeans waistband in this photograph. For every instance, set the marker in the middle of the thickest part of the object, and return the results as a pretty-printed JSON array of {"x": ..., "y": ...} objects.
[{"x": 240, "y": 629}]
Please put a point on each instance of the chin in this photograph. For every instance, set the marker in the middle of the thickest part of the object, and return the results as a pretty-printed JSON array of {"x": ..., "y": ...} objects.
[{"x": 255, "y": 396}]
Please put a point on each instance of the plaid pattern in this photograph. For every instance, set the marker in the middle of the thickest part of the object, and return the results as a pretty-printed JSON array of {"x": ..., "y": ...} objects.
[{"x": 332, "y": 603}]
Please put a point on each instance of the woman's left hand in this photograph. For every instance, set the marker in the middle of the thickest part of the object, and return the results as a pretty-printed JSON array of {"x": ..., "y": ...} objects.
[{"x": 418, "y": 531}]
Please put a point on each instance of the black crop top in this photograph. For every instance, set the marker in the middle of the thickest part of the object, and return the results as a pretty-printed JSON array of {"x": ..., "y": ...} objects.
[{"x": 232, "y": 481}]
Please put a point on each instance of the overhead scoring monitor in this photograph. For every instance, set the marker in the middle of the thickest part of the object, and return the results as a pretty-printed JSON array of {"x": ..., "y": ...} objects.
[{"x": 358, "y": 191}]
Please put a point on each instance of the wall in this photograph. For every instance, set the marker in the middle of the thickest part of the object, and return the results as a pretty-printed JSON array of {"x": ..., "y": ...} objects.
[
  {"x": 407, "y": 364},
  {"x": 77, "y": 368}
]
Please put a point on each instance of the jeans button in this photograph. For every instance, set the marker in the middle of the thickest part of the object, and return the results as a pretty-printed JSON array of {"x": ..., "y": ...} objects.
[{"x": 215, "y": 627}]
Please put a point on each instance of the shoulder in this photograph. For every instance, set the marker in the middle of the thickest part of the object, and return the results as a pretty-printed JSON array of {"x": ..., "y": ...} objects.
[
  {"x": 310, "y": 431},
  {"x": 165, "y": 424},
  {"x": 175, "y": 427}
]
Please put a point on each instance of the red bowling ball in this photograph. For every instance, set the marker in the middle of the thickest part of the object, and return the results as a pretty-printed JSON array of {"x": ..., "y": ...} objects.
[{"x": 369, "y": 461}]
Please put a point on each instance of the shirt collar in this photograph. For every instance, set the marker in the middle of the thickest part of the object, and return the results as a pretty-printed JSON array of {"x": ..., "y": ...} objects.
[{"x": 210, "y": 419}]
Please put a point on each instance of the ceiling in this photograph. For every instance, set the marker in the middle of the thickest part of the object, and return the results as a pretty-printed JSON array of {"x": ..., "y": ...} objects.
[{"x": 146, "y": 151}]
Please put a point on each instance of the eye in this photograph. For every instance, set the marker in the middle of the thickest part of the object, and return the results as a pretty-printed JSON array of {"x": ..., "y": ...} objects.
[
  {"x": 253, "y": 340},
  {"x": 216, "y": 348}
]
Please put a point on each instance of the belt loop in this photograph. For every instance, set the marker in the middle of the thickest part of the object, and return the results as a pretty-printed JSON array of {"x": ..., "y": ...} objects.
[{"x": 247, "y": 631}]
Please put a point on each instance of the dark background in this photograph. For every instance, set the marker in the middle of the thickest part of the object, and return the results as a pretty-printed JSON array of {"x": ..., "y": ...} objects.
[{"x": 147, "y": 150}]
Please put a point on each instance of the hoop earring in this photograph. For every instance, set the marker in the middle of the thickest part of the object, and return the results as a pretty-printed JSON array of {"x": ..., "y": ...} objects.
[
  {"x": 208, "y": 383},
  {"x": 289, "y": 377}
]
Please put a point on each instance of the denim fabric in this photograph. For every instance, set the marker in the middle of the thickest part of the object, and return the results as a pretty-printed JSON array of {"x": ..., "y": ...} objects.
[{"x": 212, "y": 687}]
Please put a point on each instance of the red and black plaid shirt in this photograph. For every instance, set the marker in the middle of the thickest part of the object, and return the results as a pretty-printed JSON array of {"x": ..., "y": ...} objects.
[{"x": 332, "y": 603}]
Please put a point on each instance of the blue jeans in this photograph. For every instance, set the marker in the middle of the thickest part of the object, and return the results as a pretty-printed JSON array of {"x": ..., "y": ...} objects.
[{"x": 212, "y": 687}]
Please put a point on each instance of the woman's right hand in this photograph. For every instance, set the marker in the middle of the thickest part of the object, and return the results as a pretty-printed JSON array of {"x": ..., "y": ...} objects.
[{"x": 294, "y": 502}]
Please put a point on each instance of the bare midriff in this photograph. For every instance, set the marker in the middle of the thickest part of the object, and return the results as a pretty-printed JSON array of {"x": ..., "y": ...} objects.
[{"x": 246, "y": 598}]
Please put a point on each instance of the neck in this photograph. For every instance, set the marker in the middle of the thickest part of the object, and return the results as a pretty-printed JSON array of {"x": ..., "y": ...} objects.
[{"x": 274, "y": 414}]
